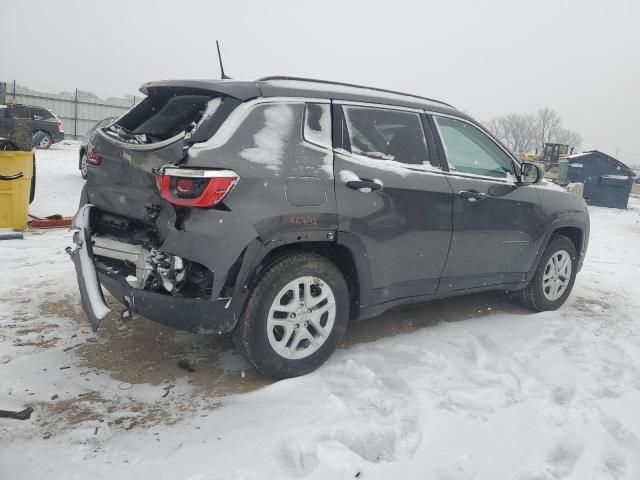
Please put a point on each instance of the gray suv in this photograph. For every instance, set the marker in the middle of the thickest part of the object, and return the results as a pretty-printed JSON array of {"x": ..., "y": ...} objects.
[{"x": 283, "y": 208}]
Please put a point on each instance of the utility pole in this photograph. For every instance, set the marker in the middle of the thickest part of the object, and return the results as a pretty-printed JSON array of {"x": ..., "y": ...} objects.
[{"x": 75, "y": 117}]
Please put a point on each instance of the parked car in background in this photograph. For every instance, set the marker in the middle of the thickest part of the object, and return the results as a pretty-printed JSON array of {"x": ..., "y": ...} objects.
[
  {"x": 281, "y": 209},
  {"x": 44, "y": 121},
  {"x": 86, "y": 148}
]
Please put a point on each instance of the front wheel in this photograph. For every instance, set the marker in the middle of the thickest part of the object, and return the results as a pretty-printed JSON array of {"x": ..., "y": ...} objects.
[
  {"x": 295, "y": 316},
  {"x": 552, "y": 283}
]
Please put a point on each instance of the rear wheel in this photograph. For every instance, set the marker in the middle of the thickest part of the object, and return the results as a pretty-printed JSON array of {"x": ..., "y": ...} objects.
[
  {"x": 554, "y": 278},
  {"x": 83, "y": 165},
  {"x": 46, "y": 142},
  {"x": 295, "y": 316}
]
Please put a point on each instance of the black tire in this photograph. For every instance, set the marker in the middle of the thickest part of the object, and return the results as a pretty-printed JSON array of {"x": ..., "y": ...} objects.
[
  {"x": 251, "y": 332},
  {"x": 83, "y": 158},
  {"x": 533, "y": 295},
  {"x": 46, "y": 142},
  {"x": 32, "y": 191}
]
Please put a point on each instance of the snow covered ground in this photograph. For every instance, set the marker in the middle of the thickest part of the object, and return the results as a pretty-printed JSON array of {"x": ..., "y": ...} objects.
[
  {"x": 58, "y": 180},
  {"x": 466, "y": 388}
]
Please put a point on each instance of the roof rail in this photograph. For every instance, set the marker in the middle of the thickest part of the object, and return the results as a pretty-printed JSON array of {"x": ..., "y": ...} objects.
[{"x": 329, "y": 82}]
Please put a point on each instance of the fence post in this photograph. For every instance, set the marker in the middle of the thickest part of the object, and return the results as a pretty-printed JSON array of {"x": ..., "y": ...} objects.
[
  {"x": 14, "y": 90},
  {"x": 75, "y": 117}
]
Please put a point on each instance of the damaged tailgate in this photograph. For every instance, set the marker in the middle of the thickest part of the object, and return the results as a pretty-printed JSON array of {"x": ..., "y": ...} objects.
[{"x": 155, "y": 133}]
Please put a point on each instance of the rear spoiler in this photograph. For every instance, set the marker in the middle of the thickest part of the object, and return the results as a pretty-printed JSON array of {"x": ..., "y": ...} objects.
[{"x": 240, "y": 90}]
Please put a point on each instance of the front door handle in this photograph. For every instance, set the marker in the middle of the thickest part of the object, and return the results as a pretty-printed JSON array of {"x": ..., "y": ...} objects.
[
  {"x": 364, "y": 185},
  {"x": 472, "y": 195}
]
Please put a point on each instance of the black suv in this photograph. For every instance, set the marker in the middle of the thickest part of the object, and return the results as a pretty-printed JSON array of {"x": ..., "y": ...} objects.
[
  {"x": 283, "y": 208},
  {"x": 43, "y": 121}
]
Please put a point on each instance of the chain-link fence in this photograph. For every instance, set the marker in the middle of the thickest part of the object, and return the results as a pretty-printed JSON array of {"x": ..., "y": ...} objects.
[{"x": 78, "y": 110}]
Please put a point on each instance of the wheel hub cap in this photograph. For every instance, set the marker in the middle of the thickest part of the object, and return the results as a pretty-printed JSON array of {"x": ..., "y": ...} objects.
[
  {"x": 301, "y": 317},
  {"x": 557, "y": 275}
]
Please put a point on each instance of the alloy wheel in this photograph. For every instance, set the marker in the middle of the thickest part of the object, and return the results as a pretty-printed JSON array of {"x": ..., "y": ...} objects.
[
  {"x": 45, "y": 142},
  {"x": 301, "y": 317},
  {"x": 83, "y": 165},
  {"x": 557, "y": 275}
]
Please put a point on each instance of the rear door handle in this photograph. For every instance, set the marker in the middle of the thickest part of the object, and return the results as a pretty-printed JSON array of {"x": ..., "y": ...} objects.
[
  {"x": 364, "y": 183},
  {"x": 472, "y": 195}
]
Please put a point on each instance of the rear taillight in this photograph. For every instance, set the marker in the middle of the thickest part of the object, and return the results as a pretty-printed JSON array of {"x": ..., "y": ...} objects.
[
  {"x": 93, "y": 158},
  {"x": 189, "y": 187},
  {"x": 60, "y": 127}
]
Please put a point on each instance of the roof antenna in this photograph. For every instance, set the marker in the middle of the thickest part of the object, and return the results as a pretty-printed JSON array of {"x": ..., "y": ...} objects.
[{"x": 223, "y": 76}]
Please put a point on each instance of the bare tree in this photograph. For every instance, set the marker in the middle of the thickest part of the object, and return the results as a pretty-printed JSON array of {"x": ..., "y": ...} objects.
[
  {"x": 568, "y": 137},
  {"x": 547, "y": 125},
  {"x": 524, "y": 132},
  {"x": 515, "y": 130},
  {"x": 495, "y": 127},
  {"x": 519, "y": 132}
]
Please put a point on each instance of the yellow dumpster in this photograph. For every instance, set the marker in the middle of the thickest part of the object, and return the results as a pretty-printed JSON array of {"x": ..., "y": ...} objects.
[{"x": 16, "y": 170}]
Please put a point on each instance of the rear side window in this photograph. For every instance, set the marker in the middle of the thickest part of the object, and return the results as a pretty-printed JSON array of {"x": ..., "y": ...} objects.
[
  {"x": 386, "y": 134},
  {"x": 41, "y": 114},
  {"x": 469, "y": 150},
  {"x": 317, "y": 124}
]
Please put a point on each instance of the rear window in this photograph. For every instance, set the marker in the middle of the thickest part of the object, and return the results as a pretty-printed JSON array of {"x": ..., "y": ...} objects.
[{"x": 165, "y": 114}]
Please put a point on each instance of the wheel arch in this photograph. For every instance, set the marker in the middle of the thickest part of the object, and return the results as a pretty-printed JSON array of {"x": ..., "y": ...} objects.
[
  {"x": 575, "y": 231},
  {"x": 575, "y": 234},
  {"x": 250, "y": 269}
]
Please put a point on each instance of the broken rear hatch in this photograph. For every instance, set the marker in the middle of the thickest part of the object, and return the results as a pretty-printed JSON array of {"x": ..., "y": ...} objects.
[{"x": 156, "y": 133}]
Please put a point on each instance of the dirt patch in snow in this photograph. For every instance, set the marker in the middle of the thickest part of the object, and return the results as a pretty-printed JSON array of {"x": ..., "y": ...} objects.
[
  {"x": 591, "y": 305},
  {"x": 116, "y": 413},
  {"x": 138, "y": 354},
  {"x": 141, "y": 351}
]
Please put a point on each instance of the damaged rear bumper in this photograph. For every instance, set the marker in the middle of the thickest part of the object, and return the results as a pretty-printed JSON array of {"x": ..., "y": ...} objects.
[
  {"x": 191, "y": 314},
  {"x": 82, "y": 255}
]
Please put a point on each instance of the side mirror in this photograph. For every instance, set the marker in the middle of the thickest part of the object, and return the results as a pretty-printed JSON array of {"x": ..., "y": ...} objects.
[{"x": 530, "y": 173}]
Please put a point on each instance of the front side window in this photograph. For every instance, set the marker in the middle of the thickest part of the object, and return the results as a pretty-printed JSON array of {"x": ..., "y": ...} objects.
[
  {"x": 19, "y": 111},
  {"x": 386, "y": 134},
  {"x": 469, "y": 150}
]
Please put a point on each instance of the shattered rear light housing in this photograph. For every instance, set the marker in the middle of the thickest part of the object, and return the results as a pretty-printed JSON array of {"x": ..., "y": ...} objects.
[
  {"x": 192, "y": 187},
  {"x": 93, "y": 158}
]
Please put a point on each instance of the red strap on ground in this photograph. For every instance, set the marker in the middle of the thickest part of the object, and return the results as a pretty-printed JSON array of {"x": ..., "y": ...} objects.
[{"x": 51, "y": 223}]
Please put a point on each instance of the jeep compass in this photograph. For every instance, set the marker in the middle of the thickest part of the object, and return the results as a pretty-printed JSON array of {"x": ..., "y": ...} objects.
[{"x": 281, "y": 209}]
